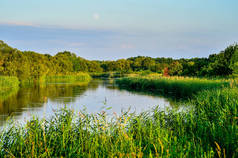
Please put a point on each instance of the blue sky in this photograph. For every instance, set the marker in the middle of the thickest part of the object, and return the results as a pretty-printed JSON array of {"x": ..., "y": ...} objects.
[{"x": 107, "y": 29}]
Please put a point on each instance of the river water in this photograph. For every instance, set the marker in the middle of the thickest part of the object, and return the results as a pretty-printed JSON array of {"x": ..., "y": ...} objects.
[{"x": 98, "y": 95}]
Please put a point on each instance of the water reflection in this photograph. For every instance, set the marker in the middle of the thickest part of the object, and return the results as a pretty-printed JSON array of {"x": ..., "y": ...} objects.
[{"x": 43, "y": 100}]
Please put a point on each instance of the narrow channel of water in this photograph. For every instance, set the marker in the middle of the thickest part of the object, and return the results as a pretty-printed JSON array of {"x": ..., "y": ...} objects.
[{"x": 42, "y": 101}]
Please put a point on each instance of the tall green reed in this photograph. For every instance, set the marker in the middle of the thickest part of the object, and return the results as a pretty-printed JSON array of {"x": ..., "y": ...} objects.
[
  {"x": 177, "y": 87},
  {"x": 209, "y": 129},
  {"x": 76, "y": 78},
  {"x": 8, "y": 86}
]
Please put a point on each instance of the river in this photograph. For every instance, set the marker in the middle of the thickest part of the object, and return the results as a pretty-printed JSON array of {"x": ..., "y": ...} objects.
[{"x": 99, "y": 95}]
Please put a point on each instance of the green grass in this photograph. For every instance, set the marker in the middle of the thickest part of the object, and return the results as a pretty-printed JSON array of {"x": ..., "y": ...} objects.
[
  {"x": 8, "y": 86},
  {"x": 79, "y": 78},
  {"x": 208, "y": 130},
  {"x": 177, "y": 87},
  {"x": 216, "y": 119}
]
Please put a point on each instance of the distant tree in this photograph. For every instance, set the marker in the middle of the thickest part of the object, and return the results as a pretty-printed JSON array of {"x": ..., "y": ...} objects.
[
  {"x": 234, "y": 60},
  {"x": 222, "y": 64},
  {"x": 157, "y": 68},
  {"x": 148, "y": 63},
  {"x": 30, "y": 64},
  {"x": 175, "y": 68},
  {"x": 94, "y": 66},
  {"x": 80, "y": 64},
  {"x": 122, "y": 65},
  {"x": 166, "y": 72}
]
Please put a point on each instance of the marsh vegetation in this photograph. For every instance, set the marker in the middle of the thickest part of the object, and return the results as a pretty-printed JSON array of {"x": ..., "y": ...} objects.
[
  {"x": 176, "y": 87},
  {"x": 8, "y": 86},
  {"x": 207, "y": 128}
]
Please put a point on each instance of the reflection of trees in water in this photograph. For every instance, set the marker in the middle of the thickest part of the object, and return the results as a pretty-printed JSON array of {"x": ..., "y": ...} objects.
[
  {"x": 36, "y": 96},
  {"x": 173, "y": 102},
  {"x": 8, "y": 94},
  {"x": 65, "y": 92},
  {"x": 93, "y": 85}
]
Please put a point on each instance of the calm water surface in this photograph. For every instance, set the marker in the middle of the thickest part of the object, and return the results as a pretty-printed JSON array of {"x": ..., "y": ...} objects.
[{"x": 99, "y": 95}]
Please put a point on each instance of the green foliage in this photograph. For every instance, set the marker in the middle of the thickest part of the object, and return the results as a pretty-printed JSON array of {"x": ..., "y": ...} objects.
[
  {"x": 30, "y": 64},
  {"x": 216, "y": 118},
  {"x": 222, "y": 64},
  {"x": 76, "y": 78},
  {"x": 175, "y": 69},
  {"x": 94, "y": 66},
  {"x": 234, "y": 68},
  {"x": 177, "y": 87},
  {"x": 234, "y": 60},
  {"x": 8, "y": 86},
  {"x": 208, "y": 130}
]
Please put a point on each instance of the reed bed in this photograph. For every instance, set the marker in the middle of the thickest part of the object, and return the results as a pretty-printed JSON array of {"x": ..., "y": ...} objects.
[
  {"x": 208, "y": 130},
  {"x": 177, "y": 87},
  {"x": 8, "y": 86},
  {"x": 107, "y": 74}
]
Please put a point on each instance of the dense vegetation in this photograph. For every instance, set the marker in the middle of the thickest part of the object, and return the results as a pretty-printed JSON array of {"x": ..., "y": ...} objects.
[
  {"x": 209, "y": 130},
  {"x": 176, "y": 87},
  {"x": 8, "y": 86},
  {"x": 223, "y": 64},
  {"x": 25, "y": 64},
  {"x": 78, "y": 78},
  {"x": 214, "y": 118}
]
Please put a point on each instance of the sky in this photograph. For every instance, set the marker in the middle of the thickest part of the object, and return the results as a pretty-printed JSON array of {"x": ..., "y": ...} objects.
[{"x": 110, "y": 29}]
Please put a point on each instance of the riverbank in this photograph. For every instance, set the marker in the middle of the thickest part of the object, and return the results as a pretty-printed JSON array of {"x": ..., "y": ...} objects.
[
  {"x": 177, "y": 87},
  {"x": 78, "y": 78},
  {"x": 215, "y": 102},
  {"x": 8, "y": 86},
  {"x": 209, "y": 130}
]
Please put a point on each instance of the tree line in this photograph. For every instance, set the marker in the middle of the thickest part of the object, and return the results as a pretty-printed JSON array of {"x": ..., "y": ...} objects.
[{"x": 25, "y": 64}]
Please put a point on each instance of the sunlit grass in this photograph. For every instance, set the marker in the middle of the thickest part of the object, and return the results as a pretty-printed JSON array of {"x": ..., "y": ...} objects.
[
  {"x": 8, "y": 86},
  {"x": 178, "y": 87},
  {"x": 76, "y": 78},
  {"x": 208, "y": 130}
]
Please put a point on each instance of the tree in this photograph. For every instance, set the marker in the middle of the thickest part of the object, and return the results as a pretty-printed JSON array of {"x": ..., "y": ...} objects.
[
  {"x": 175, "y": 68},
  {"x": 148, "y": 63},
  {"x": 234, "y": 61},
  {"x": 30, "y": 64},
  {"x": 166, "y": 72},
  {"x": 94, "y": 66}
]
